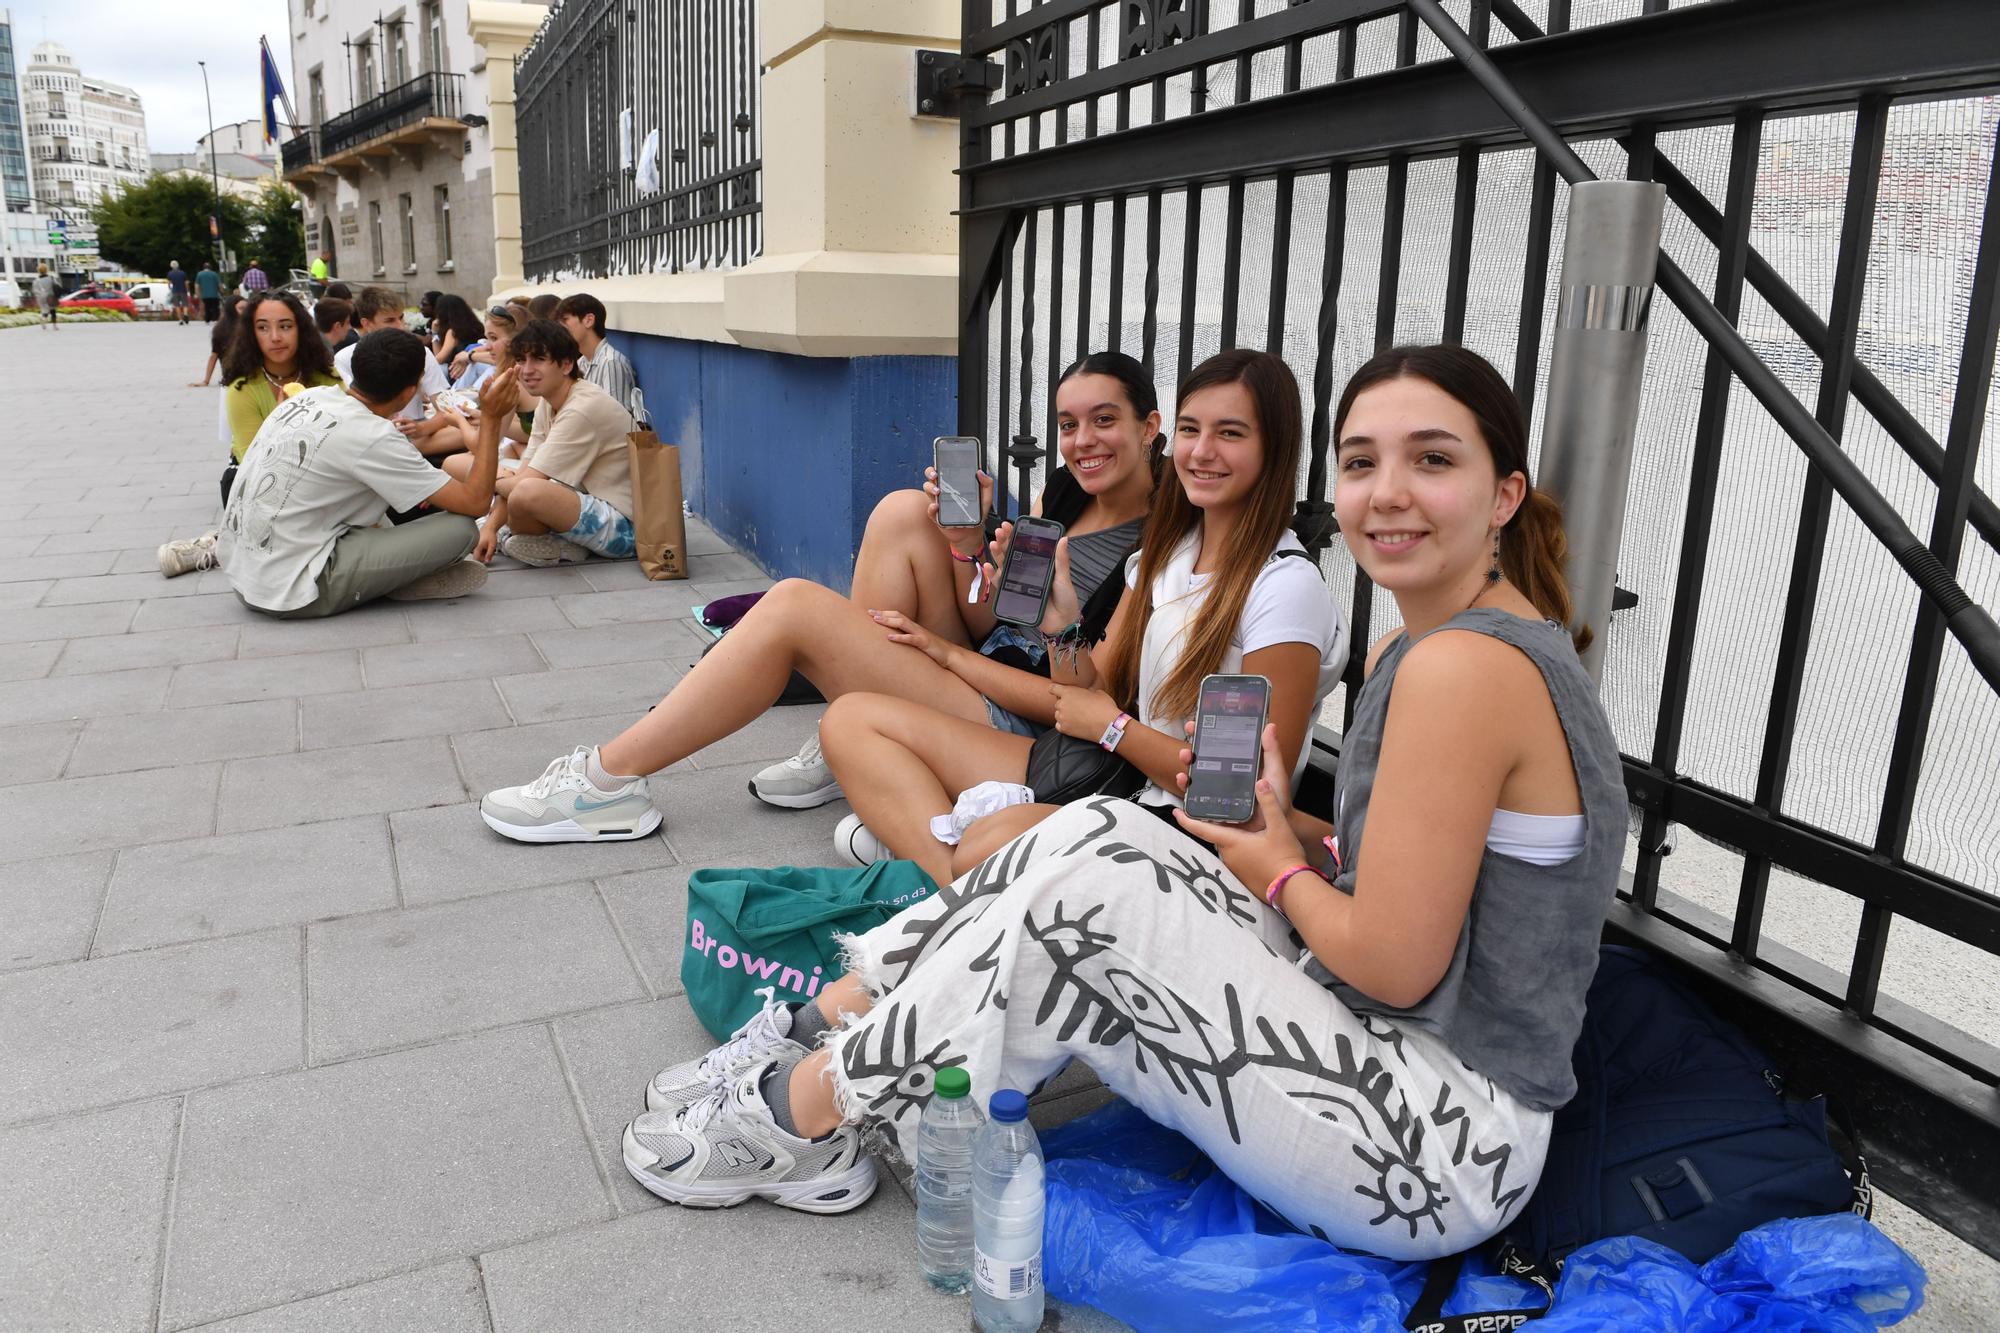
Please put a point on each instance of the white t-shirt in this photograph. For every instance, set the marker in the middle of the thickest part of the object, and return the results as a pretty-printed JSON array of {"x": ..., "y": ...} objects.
[
  {"x": 321, "y": 464},
  {"x": 435, "y": 381},
  {"x": 1288, "y": 603}
]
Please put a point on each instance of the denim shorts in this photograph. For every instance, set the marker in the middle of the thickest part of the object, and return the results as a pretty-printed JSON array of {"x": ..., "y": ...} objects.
[
  {"x": 601, "y": 529},
  {"x": 1007, "y": 636}
]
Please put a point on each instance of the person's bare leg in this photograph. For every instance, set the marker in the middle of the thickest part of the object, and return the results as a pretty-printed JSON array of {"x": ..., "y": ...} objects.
[
  {"x": 797, "y": 626},
  {"x": 536, "y": 505},
  {"x": 459, "y": 466},
  {"x": 905, "y": 565},
  {"x": 917, "y": 761},
  {"x": 989, "y": 835},
  {"x": 845, "y": 996},
  {"x": 813, "y": 1109}
]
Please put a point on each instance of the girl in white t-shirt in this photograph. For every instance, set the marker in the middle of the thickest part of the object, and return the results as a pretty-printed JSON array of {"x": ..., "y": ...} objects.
[{"x": 1213, "y": 588}]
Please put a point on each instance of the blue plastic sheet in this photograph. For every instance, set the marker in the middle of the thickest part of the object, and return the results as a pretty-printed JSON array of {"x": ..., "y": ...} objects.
[{"x": 1141, "y": 1225}]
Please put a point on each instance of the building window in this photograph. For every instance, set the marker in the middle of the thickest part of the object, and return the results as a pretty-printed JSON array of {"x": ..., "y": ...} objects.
[
  {"x": 375, "y": 238},
  {"x": 409, "y": 234},
  {"x": 433, "y": 36},
  {"x": 364, "y": 64},
  {"x": 441, "y": 204},
  {"x": 399, "y": 53},
  {"x": 316, "y": 97}
]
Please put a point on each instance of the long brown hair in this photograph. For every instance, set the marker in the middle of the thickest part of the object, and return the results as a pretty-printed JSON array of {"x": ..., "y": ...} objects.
[
  {"x": 1274, "y": 394},
  {"x": 244, "y": 357},
  {"x": 1533, "y": 545}
]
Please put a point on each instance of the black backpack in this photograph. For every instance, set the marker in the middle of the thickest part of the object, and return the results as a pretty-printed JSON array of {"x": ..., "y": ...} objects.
[{"x": 1679, "y": 1132}]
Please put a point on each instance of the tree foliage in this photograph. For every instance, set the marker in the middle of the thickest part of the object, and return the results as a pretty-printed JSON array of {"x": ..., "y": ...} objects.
[
  {"x": 277, "y": 231},
  {"x": 146, "y": 226}
]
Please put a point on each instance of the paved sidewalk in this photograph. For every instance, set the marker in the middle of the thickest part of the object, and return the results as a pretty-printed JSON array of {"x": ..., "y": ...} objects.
[{"x": 283, "y": 1027}]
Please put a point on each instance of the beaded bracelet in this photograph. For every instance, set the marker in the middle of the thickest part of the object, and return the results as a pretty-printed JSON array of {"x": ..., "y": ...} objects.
[{"x": 1284, "y": 877}]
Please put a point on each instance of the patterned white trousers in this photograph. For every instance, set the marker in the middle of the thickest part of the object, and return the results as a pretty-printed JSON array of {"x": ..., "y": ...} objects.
[{"x": 1105, "y": 935}]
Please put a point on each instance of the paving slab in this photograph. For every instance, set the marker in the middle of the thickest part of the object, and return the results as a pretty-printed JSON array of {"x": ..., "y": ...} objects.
[
  {"x": 299, "y": 1185},
  {"x": 186, "y": 735},
  {"x": 660, "y": 601},
  {"x": 547, "y": 696},
  {"x": 712, "y": 819},
  {"x": 612, "y": 1054},
  {"x": 330, "y": 784},
  {"x": 528, "y": 581},
  {"x": 108, "y": 1030},
  {"x": 13, "y": 595},
  {"x": 29, "y": 661},
  {"x": 468, "y": 659},
  {"x": 168, "y": 647},
  {"x": 37, "y": 752},
  {"x": 393, "y": 979},
  {"x": 854, "y": 1271},
  {"x": 650, "y": 909},
  {"x": 469, "y": 617},
  {"x": 203, "y": 608},
  {"x": 390, "y": 712},
  {"x": 119, "y": 587},
  {"x": 117, "y": 810},
  {"x": 675, "y": 643},
  {"x": 104, "y": 695},
  {"x": 448, "y": 1298},
  {"x": 234, "y": 883},
  {"x": 48, "y": 909},
  {"x": 334, "y": 671},
  {"x": 82, "y": 564},
  {"x": 80, "y": 1218},
  {"x": 448, "y": 853},
  {"x": 363, "y": 627}
]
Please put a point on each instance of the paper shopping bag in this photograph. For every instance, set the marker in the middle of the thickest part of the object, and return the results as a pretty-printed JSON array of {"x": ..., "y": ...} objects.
[{"x": 658, "y": 527}]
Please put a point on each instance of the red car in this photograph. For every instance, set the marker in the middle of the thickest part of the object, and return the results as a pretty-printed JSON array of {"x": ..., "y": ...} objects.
[{"x": 102, "y": 298}]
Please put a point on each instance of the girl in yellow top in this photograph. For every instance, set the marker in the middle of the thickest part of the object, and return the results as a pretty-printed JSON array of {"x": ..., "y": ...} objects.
[{"x": 275, "y": 352}]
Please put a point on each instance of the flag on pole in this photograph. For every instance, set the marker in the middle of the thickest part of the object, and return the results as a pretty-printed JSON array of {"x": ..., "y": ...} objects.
[{"x": 274, "y": 91}]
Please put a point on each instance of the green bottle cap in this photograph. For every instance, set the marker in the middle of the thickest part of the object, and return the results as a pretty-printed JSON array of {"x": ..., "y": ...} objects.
[{"x": 953, "y": 1082}]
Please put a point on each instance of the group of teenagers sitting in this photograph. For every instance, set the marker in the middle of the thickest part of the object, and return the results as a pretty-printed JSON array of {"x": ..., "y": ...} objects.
[
  {"x": 367, "y": 461},
  {"x": 1364, "y": 1014}
]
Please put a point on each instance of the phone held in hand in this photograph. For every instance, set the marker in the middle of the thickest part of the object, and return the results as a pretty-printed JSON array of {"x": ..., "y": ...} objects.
[
  {"x": 1022, "y": 593},
  {"x": 957, "y": 463},
  {"x": 1228, "y": 745}
]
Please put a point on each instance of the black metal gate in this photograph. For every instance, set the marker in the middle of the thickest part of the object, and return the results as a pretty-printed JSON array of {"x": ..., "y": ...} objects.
[{"x": 1807, "y": 682}]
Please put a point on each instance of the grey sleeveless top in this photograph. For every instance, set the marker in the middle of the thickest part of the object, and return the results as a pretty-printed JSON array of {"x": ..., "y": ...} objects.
[{"x": 1511, "y": 1003}]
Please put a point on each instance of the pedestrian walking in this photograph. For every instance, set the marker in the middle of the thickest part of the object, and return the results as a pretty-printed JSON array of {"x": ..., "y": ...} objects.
[
  {"x": 177, "y": 289},
  {"x": 47, "y": 292},
  {"x": 209, "y": 283},
  {"x": 254, "y": 280}
]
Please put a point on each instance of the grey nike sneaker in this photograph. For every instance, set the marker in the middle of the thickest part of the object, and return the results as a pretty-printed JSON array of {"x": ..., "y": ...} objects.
[
  {"x": 799, "y": 783},
  {"x": 562, "y": 805},
  {"x": 726, "y": 1148},
  {"x": 767, "y": 1034}
]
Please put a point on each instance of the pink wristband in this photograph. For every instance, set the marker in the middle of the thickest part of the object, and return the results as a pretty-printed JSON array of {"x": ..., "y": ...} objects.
[{"x": 1284, "y": 877}]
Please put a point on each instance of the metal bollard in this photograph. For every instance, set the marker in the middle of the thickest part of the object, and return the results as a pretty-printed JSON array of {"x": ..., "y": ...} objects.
[{"x": 1595, "y": 374}]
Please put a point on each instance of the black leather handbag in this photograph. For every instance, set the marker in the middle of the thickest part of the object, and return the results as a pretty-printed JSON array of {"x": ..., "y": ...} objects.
[{"x": 1063, "y": 768}]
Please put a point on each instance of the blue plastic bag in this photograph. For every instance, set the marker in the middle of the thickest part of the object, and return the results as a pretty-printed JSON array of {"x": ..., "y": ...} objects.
[{"x": 1142, "y": 1226}]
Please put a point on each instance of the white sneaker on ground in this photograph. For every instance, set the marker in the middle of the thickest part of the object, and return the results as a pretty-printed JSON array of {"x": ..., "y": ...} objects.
[
  {"x": 852, "y": 840},
  {"x": 454, "y": 580},
  {"x": 562, "y": 805},
  {"x": 543, "y": 549},
  {"x": 726, "y": 1148},
  {"x": 188, "y": 555},
  {"x": 767, "y": 1034},
  {"x": 800, "y": 783}
]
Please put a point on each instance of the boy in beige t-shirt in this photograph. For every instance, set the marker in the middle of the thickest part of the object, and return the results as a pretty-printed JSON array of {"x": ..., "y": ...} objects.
[{"x": 572, "y": 495}]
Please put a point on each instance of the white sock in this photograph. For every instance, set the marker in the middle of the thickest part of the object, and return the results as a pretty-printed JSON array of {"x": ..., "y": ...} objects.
[{"x": 599, "y": 778}]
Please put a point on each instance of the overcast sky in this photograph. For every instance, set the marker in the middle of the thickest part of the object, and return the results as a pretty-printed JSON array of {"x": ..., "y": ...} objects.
[{"x": 151, "y": 46}]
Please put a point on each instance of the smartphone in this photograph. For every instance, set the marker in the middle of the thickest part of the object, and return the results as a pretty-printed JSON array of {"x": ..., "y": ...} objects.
[
  {"x": 1228, "y": 745},
  {"x": 957, "y": 463},
  {"x": 1022, "y": 592}
]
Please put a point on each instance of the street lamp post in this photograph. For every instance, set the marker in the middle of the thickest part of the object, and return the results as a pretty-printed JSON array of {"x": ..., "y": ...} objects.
[{"x": 214, "y": 177}]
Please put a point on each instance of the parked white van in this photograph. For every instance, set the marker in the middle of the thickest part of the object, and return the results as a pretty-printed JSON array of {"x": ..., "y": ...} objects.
[{"x": 151, "y": 298}]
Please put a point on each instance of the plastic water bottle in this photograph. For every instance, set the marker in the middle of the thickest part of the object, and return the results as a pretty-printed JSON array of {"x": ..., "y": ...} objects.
[
  {"x": 1007, "y": 1220},
  {"x": 947, "y": 1136}
]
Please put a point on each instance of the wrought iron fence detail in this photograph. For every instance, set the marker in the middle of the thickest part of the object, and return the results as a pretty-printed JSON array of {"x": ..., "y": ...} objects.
[
  {"x": 1810, "y": 682},
  {"x": 640, "y": 138}
]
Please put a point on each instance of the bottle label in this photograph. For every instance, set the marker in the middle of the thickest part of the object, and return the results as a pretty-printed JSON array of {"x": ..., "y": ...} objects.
[{"x": 1006, "y": 1279}]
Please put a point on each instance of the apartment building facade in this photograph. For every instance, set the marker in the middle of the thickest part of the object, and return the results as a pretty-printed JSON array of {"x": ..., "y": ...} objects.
[
  {"x": 393, "y": 155},
  {"x": 17, "y": 189},
  {"x": 86, "y": 137}
]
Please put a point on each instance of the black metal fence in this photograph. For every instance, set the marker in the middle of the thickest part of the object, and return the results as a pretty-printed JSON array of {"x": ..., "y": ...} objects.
[
  {"x": 301, "y": 150},
  {"x": 640, "y": 138},
  {"x": 424, "y": 97},
  {"x": 1808, "y": 687}
]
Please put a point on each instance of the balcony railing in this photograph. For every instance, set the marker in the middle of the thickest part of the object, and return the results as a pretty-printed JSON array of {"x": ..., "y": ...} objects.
[
  {"x": 428, "y": 96},
  {"x": 301, "y": 150}
]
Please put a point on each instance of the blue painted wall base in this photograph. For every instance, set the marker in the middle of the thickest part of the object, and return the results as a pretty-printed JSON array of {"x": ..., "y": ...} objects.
[{"x": 786, "y": 456}]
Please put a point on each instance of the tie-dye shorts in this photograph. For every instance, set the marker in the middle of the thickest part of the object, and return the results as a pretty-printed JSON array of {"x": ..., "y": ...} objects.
[{"x": 601, "y": 529}]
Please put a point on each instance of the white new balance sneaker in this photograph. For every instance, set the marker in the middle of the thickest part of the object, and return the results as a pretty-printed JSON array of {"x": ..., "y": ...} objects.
[
  {"x": 726, "y": 1148},
  {"x": 800, "y": 783},
  {"x": 562, "y": 805},
  {"x": 188, "y": 554},
  {"x": 767, "y": 1034}
]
